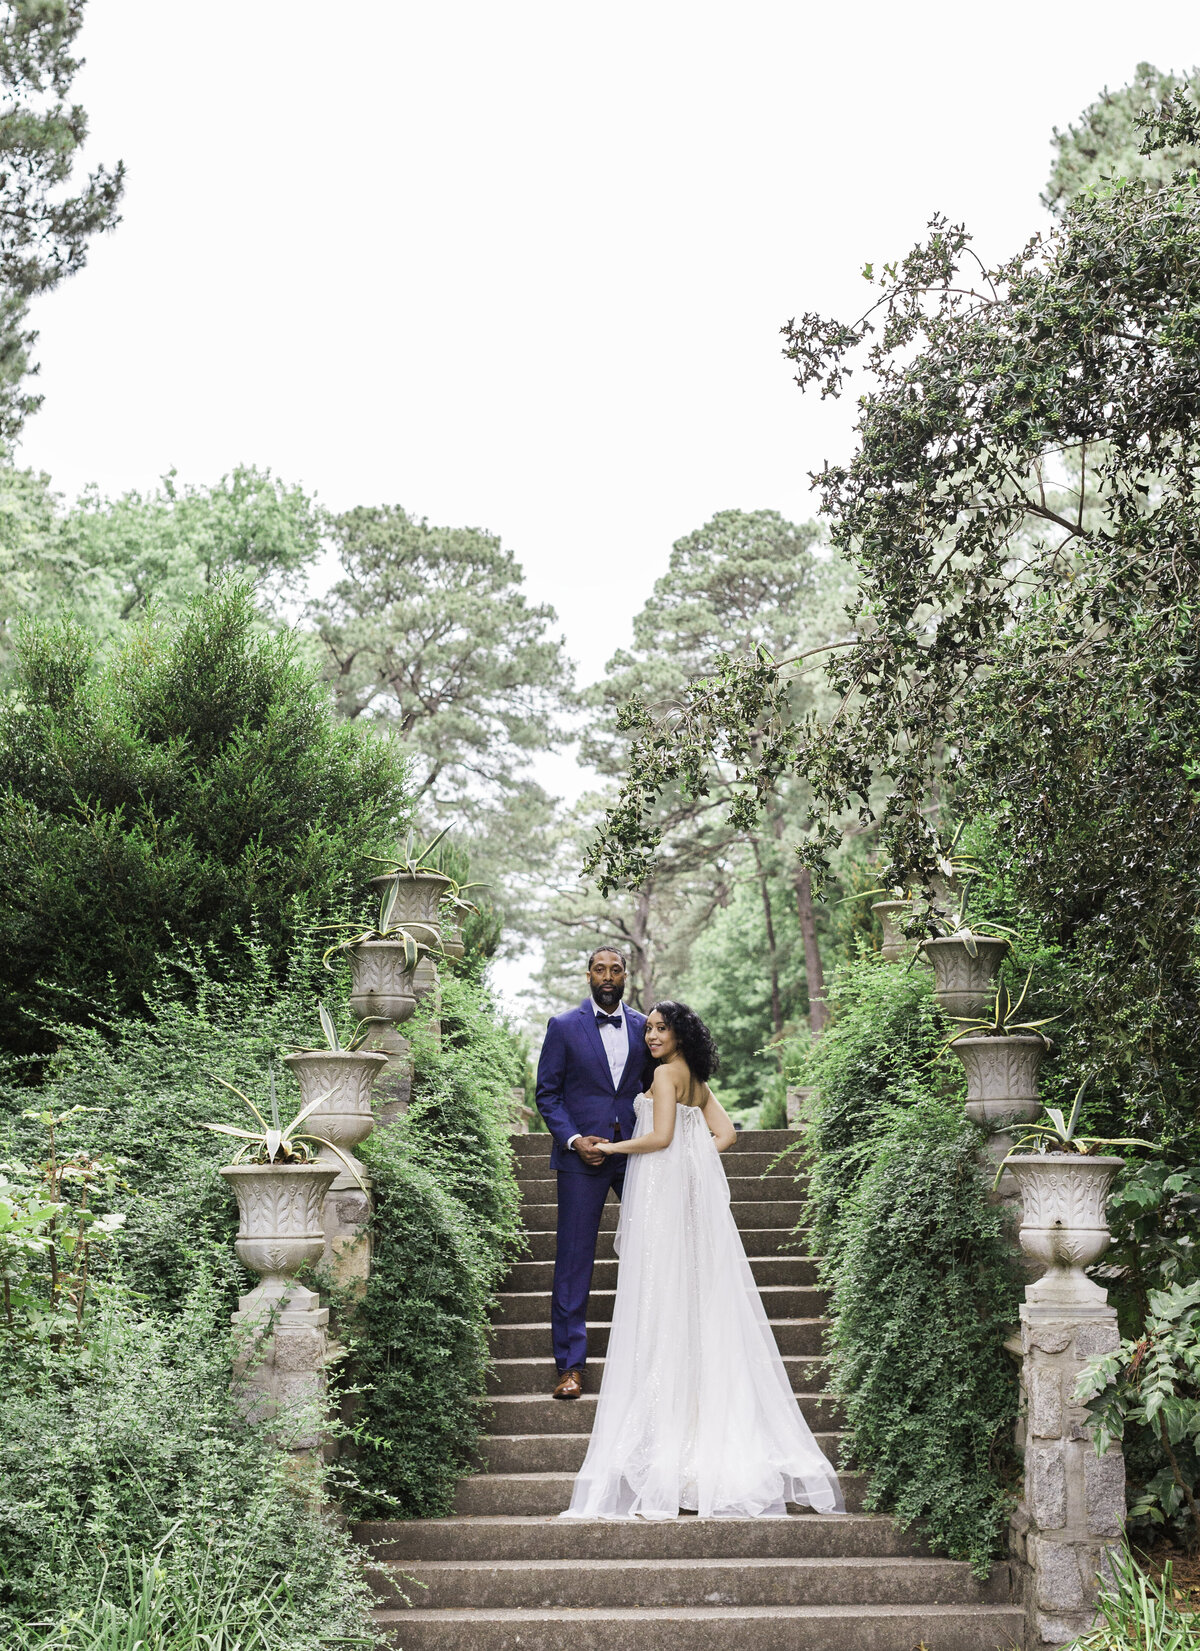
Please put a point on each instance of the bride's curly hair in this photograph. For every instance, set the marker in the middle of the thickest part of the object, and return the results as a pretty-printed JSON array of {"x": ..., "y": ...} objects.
[{"x": 693, "y": 1037}]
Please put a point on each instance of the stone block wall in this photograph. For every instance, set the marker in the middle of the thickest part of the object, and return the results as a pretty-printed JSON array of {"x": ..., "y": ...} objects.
[{"x": 1073, "y": 1511}]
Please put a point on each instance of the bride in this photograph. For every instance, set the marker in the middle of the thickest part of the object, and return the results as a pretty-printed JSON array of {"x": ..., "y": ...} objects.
[{"x": 696, "y": 1411}]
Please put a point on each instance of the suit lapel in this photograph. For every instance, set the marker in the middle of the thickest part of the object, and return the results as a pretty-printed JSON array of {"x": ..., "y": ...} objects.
[
  {"x": 637, "y": 1046},
  {"x": 595, "y": 1041}
]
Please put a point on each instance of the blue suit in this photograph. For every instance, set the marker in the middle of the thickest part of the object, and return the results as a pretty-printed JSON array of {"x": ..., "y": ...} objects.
[{"x": 576, "y": 1096}]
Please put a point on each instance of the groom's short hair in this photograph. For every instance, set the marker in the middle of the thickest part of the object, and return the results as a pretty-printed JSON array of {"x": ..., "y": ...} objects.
[{"x": 592, "y": 956}]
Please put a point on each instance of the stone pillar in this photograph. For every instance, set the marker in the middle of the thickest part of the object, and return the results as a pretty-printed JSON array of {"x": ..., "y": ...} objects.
[
  {"x": 393, "y": 1087},
  {"x": 797, "y": 1099},
  {"x": 1073, "y": 1512},
  {"x": 281, "y": 1350}
]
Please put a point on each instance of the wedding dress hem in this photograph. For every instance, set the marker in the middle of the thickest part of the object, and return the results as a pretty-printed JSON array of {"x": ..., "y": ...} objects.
[{"x": 696, "y": 1413}]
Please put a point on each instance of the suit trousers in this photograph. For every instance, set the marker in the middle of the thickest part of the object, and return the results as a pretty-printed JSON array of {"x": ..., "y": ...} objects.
[{"x": 580, "y": 1203}]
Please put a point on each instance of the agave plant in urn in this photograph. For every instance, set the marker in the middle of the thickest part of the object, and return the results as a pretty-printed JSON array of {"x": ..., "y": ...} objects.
[
  {"x": 383, "y": 961},
  {"x": 280, "y": 1194},
  {"x": 1001, "y": 1055},
  {"x": 337, "y": 1081},
  {"x": 966, "y": 957},
  {"x": 420, "y": 886},
  {"x": 1064, "y": 1184}
]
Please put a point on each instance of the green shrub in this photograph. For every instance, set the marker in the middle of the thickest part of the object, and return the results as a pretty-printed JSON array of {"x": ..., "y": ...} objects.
[
  {"x": 447, "y": 1224},
  {"x": 924, "y": 1275},
  {"x": 878, "y": 1053},
  {"x": 137, "y": 1449},
  {"x": 193, "y": 784},
  {"x": 925, "y": 1290}
]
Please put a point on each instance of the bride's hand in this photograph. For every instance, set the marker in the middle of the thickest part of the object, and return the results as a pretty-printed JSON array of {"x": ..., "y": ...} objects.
[{"x": 603, "y": 1146}]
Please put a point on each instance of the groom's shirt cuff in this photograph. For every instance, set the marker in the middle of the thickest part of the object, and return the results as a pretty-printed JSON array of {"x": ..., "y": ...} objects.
[{"x": 573, "y": 1140}]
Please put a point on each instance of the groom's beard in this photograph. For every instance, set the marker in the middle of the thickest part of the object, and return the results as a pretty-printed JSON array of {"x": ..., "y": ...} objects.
[{"x": 608, "y": 996}]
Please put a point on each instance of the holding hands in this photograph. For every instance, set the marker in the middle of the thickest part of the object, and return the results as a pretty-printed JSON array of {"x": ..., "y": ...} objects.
[{"x": 588, "y": 1147}]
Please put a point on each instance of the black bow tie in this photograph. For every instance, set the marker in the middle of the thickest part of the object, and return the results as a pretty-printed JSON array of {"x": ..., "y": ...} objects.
[{"x": 608, "y": 1020}]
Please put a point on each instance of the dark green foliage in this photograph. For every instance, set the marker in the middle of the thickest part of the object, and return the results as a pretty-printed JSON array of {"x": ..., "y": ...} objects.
[
  {"x": 194, "y": 785},
  {"x": 925, "y": 1280},
  {"x": 446, "y": 1227},
  {"x": 926, "y": 1288},
  {"x": 878, "y": 1054},
  {"x": 44, "y": 232},
  {"x": 139, "y": 1447},
  {"x": 148, "y": 1080},
  {"x": 1041, "y": 419}
]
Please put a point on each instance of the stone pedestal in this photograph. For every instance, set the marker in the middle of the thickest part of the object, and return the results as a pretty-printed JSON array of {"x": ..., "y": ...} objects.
[
  {"x": 347, "y": 1257},
  {"x": 281, "y": 1351},
  {"x": 1073, "y": 1511},
  {"x": 797, "y": 1098},
  {"x": 393, "y": 1087}
]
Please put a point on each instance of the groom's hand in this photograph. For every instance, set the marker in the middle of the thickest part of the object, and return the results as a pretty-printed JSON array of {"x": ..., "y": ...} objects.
[{"x": 585, "y": 1146}]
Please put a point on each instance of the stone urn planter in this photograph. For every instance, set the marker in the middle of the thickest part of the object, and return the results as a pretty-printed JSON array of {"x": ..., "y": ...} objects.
[
  {"x": 279, "y": 1220},
  {"x": 965, "y": 986},
  {"x": 381, "y": 981},
  {"x": 1063, "y": 1222},
  {"x": 1002, "y": 1075},
  {"x": 890, "y": 913},
  {"x": 344, "y": 1077},
  {"x": 419, "y": 896}
]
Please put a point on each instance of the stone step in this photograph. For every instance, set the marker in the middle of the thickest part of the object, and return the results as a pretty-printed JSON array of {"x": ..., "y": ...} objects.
[
  {"x": 798, "y": 1536},
  {"x": 749, "y": 1140},
  {"x": 798, "y": 1272},
  {"x": 554, "y": 1584},
  {"x": 564, "y": 1452},
  {"x": 758, "y": 1241},
  {"x": 540, "y": 1191},
  {"x": 749, "y": 1213},
  {"x": 550, "y": 1493},
  {"x": 526, "y": 1341},
  {"x": 537, "y": 1375},
  {"x": 711, "y": 1628},
  {"x": 540, "y": 1413},
  {"x": 781, "y": 1301}
]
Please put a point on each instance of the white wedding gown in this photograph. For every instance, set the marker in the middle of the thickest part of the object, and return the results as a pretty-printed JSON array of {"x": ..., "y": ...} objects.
[{"x": 696, "y": 1411}]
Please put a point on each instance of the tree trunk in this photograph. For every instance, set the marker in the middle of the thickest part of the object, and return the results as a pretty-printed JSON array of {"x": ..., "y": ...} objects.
[
  {"x": 639, "y": 945},
  {"x": 818, "y": 1009},
  {"x": 772, "y": 954}
]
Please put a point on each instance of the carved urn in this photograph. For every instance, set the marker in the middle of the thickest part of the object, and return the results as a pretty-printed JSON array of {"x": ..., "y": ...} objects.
[
  {"x": 1063, "y": 1220},
  {"x": 381, "y": 981},
  {"x": 343, "y": 1079},
  {"x": 890, "y": 914},
  {"x": 420, "y": 895},
  {"x": 1002, "y": 1077},
  {"x": 965, "y": 984},
  {"x": 280, "y": 1219}
]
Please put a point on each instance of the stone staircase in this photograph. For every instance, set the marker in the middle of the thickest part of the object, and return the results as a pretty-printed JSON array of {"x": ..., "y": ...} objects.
[{"x": 503, "y": 1574}]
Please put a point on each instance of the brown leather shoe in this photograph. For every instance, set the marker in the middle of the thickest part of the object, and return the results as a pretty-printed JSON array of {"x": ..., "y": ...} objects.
[{"x": 570, "y": 1385}]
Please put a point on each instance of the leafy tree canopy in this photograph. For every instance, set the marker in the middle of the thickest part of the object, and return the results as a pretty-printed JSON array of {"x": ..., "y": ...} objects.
[
  {"x": 1106, "y": 142},
  {"x": 193, "y": 787},
  {"x": 744, "y": 580},
  {"x": 44, "y": 227},
  {"x": 429, "y": 630},
  {"x": 105, "y": 560},
  {"x": 1023, "y": 515}
]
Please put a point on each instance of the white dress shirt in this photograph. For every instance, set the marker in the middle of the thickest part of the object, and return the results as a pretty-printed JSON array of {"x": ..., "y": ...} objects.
[{"x": 616, "y": 1046}]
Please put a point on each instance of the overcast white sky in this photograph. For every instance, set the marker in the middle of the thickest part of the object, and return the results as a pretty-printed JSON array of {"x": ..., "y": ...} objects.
[{"x": 523, "y": 265}]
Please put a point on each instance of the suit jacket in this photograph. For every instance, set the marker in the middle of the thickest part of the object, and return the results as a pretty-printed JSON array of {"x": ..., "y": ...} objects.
[{"x": 575, "y": 1091}]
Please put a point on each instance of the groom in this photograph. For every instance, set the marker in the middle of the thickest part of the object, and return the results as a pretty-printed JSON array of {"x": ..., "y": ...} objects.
[{"x": 594, "y": 1063}]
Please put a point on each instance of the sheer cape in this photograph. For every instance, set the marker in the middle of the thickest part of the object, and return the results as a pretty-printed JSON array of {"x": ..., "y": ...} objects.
[{"x": 696, "y": 1411}]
